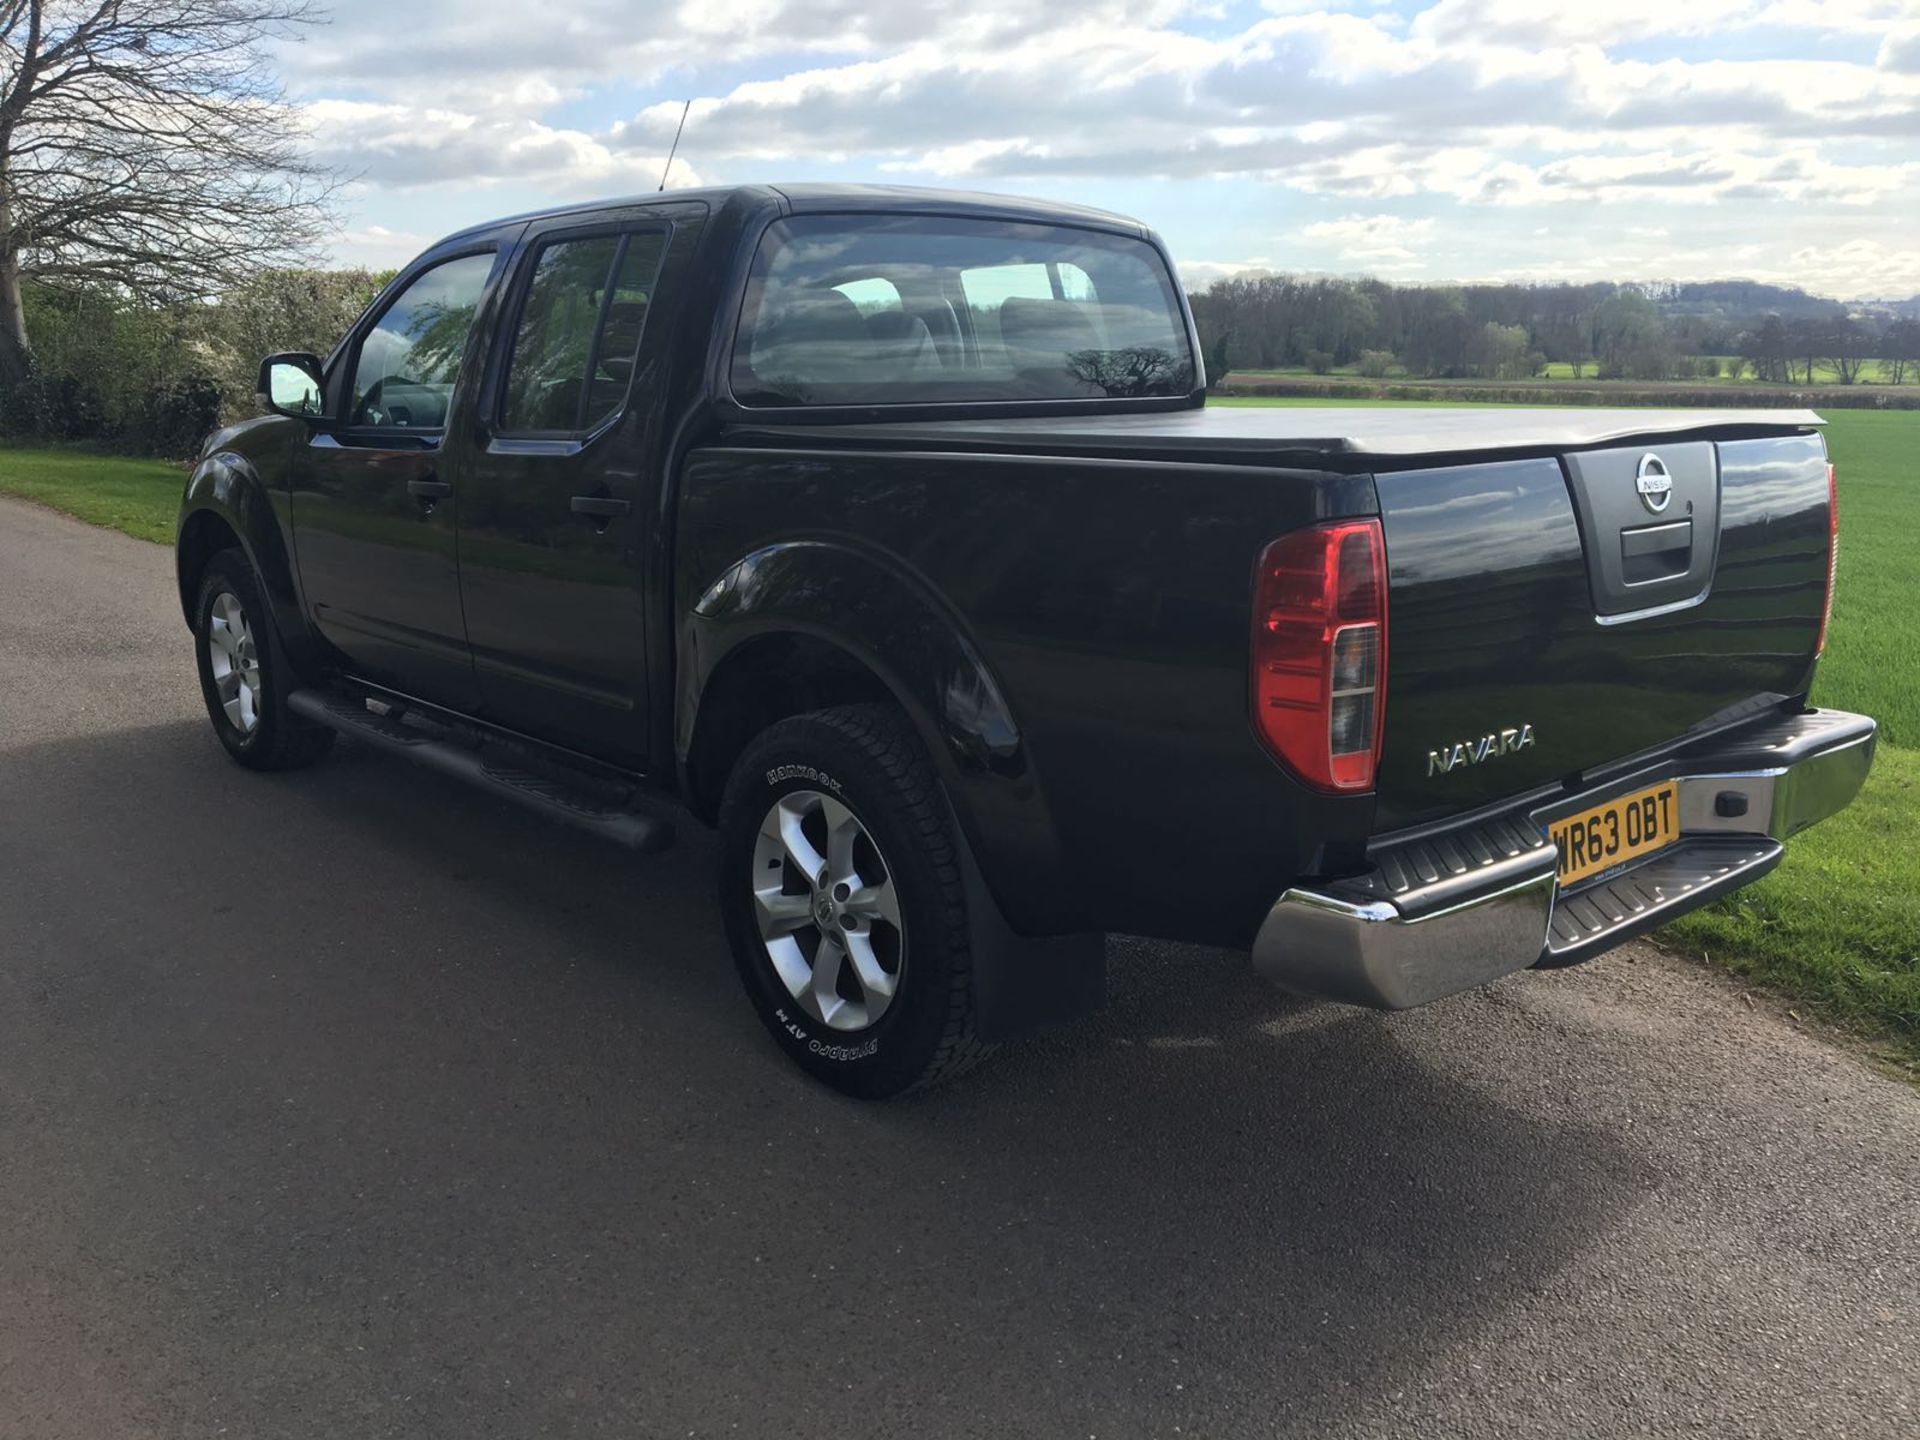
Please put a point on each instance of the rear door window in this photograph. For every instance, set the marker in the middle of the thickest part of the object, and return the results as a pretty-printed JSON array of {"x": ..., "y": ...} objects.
[{"x": 577, "y": 337}]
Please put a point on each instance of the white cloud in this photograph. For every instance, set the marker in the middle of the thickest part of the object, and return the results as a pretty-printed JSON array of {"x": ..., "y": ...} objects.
[
  {"x": 1855, "y": 267},
  {"x": 1198, "y": 274},
  {"x": 1518, "y": 110},
  {"x": 1852, "y": 17},
  {"x": 401, "y": 147},
  {"x": 1900, "y": 52},
  {"x": 1105, "y": 101},
  {"x": 376, "y": 247},
  {"x": 1384, "y": 244},
  {"x": 1574, "y": 22}
]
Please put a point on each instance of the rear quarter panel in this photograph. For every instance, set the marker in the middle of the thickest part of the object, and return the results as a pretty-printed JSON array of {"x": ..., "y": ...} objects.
[{"x": 1109, "y": 602}]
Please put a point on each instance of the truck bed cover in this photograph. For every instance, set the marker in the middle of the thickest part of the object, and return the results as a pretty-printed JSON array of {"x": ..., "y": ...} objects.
[{"x": 1253, "y": 434}]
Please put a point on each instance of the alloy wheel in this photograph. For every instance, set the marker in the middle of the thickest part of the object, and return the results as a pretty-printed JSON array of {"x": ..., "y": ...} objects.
[
  {"x": 235, "y": 662},
  {"x": 827, "y": 911}
]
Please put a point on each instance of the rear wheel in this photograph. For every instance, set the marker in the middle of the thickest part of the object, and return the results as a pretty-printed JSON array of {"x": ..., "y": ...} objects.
[
  {"x": 845, "y": 903},
  {"x": 244, "y": 675}
]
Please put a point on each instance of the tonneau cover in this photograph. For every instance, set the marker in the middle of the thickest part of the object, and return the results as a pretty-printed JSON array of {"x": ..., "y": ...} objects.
[{"x": 1251, "y": 433}]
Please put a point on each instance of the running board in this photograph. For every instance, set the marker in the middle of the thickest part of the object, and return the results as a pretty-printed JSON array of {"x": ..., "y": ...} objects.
[{"x": 570, "y": 804}]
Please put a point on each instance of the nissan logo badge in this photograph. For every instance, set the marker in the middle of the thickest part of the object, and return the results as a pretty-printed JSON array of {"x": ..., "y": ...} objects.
[{"x": 1653, "y": 483}]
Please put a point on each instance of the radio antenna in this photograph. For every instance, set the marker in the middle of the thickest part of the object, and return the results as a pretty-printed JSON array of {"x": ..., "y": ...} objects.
[{"x": 676, "y": 145}]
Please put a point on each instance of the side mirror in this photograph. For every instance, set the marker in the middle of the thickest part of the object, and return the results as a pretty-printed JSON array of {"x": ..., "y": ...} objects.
[{"x": 291, "y": 384}]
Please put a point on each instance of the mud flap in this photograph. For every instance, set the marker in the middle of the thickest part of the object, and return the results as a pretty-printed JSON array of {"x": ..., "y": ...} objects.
[{"x": 1025, "y": 983}]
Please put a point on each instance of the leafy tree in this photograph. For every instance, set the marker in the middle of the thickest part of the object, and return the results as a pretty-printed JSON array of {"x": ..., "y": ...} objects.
[
  {"x": 155, "y": 378},
  {"x": 1770, "y": 348},
  {"x": 1629, "y": 338},
  {"x": 1499, "y": 352},
  {"x": 1439, "y": 333},
  {"x": 275, "y": 310}
]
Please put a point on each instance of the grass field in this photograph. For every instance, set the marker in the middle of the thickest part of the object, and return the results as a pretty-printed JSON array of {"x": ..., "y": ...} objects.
[
  {"x": 1837, "y": 926},
  {"x": 1871, "y": 373},
  {"x": 1839, "y": 922},
  {"x": 140, "y": 497}
]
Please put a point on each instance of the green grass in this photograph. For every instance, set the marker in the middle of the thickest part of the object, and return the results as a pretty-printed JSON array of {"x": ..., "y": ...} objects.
[
  {"x": 1839, "y": 922},
  {"x": 1837, "y": 926},
  {"x": 140, "y": 497},
  {"x": 1871, "y": 373},
  {"x": 1871, "y": 662}
]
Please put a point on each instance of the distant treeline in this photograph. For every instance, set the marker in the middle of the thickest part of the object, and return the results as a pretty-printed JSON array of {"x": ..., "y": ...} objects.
[
  {"x": 1513, "y": 332},
  {"x": 154, "y": 379}
]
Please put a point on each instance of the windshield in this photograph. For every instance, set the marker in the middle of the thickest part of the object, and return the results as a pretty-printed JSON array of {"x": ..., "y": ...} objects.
[{"x": 888, "y": 310}]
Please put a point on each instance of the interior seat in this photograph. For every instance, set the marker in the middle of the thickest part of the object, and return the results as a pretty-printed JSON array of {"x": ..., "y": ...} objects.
[
  {"x": 818, "y": 338},
  {"x": 1039, "y": 335},
  {"x": 903, "y": 344}
]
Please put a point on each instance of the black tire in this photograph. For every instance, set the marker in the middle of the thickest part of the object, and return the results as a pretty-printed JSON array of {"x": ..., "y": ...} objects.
[
  {"x": 278, "y": 739},
  {"x": 866, "y": 758}
]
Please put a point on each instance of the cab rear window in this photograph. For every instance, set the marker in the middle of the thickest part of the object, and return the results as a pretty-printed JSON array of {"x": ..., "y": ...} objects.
[{"x": 877, "y": 310}]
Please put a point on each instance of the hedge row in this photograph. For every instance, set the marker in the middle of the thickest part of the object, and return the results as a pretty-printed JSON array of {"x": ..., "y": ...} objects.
[{"x": 1726, "y": 397}]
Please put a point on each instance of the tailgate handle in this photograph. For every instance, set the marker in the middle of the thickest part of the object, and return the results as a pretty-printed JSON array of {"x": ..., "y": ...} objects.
[
  {"x": 1656, "y": 552},
  {"x": 602, "y": 506}
]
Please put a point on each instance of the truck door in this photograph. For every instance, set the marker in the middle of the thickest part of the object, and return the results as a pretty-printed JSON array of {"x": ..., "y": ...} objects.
[
  {"x": 375, "y": 490},
  {"x": 556, "y": 511}
]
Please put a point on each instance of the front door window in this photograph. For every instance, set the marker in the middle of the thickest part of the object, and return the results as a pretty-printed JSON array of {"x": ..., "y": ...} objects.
[{"x": 404, "y": 375}]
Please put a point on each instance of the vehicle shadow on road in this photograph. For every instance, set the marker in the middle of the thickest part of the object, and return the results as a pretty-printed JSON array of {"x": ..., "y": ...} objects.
[{"x": 527, "y": 1102}]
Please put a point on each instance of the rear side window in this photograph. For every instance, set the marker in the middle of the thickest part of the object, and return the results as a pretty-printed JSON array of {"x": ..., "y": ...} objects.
[
  {"x": 577, "y": 338},
  {"x": 877, "y": 309}
]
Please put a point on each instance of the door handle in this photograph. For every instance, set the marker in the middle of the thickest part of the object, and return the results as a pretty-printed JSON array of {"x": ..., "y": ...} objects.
[
  {"x": 601, "y": 507},
  {"x": 429, "y": 489}
]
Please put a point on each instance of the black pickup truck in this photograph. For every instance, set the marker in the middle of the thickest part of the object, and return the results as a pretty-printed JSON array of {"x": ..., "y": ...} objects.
[{"x": 889, "y": 531}]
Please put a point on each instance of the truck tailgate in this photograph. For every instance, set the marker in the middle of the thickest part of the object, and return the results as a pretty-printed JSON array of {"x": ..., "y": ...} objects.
[{"x": 1551, "y": 615}]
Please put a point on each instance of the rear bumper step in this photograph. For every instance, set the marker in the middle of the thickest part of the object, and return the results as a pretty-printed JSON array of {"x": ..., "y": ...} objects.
[
  {"x": 1450, "y": 911},
  {"x": 547, "y": 795}
]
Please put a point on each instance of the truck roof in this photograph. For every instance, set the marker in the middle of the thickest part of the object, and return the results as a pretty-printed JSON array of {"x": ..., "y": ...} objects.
[{"x": 809, "y": 197}]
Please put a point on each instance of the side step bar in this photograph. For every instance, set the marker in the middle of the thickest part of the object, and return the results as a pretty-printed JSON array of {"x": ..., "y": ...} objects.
[{"x": 569, "y": 804}]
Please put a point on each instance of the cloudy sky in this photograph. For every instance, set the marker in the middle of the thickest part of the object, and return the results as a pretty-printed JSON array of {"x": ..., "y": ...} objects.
[{"x": 1463, "y": 139}]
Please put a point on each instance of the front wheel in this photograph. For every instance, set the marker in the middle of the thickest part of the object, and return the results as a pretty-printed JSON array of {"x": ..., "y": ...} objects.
[
  {"x": 845, "y": 902},
  {"x": 244, "y": 675}
]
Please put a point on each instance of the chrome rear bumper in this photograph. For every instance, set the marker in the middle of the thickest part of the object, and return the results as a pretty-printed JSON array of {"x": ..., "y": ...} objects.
[{"x": 1447, "y": 912}]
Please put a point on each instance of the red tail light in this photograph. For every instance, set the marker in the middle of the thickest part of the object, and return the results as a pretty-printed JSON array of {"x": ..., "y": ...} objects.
[
  {"x": 1320, "y": 652},
  {"x": 1833, "y": 557}
]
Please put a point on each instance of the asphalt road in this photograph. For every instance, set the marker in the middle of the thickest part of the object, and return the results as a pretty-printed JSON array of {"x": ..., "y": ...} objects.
[{"x": 351, "y": 1104}]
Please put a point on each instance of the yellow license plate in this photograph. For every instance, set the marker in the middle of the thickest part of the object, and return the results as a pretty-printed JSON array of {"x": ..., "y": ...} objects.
[{"x": 1609, "y": 835}]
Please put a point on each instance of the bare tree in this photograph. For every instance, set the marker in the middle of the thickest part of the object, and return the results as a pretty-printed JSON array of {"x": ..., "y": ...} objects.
[
  {"x": 1901, "y": 351},
  {"x": 1135, "y": 370},
  {"x": 146, "y": 148},
  {"x": 1847, "y": 344},
  {"x": 1809, "y": 341}
]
